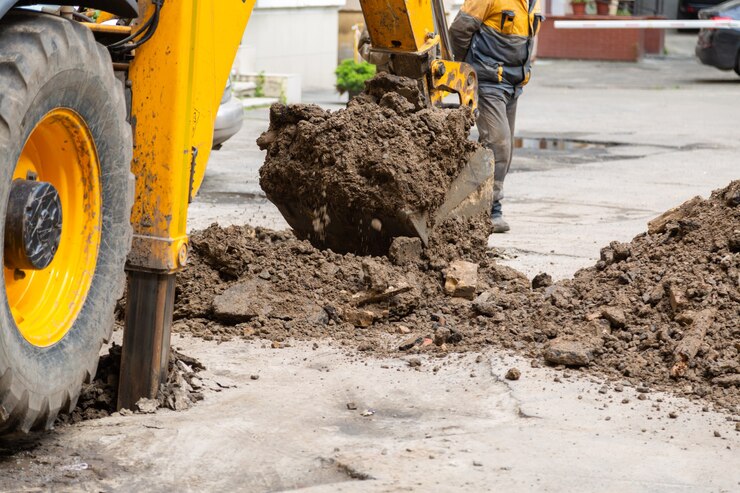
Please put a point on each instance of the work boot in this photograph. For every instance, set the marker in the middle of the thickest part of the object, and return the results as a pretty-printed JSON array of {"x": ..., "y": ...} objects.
[{"x": 497, "y": 219}]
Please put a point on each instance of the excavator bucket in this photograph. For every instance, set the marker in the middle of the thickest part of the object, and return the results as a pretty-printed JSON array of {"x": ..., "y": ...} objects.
[
  {"x": 470, "y": 193},
  {"x": 364, "y": 231}
]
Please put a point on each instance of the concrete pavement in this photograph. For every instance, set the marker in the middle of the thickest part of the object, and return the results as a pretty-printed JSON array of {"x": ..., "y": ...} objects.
[{"x": 464, "y": 427}]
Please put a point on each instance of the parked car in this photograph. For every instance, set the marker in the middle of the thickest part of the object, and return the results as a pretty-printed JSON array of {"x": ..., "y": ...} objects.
[
  {"x": 689, "y": 9},
  {"x": 229, "y": 118},
  {"x": 720, "y": 47}
]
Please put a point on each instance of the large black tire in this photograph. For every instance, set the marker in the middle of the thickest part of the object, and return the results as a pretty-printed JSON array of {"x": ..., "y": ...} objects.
[{"x": 47, "y": 62}]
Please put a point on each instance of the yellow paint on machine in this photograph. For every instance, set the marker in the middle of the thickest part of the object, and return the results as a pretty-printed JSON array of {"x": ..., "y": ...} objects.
[
  {"x": 178, "y": 78},
  {"x": 399, "y": 25},
  {"x": 45, "y": 303}
]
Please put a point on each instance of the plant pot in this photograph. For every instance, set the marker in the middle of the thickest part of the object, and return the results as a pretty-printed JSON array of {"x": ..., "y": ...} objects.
[
  {"x": 578, "y": 8},
  {"x": 602, "y": 7}
]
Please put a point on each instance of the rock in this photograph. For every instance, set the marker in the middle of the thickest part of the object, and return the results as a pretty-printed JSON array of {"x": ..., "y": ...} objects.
[
  {"x": 653, "y": 295},
  {"x": 454, "y": 337},
  {"x": 405, "y": 250},
  {"x": 484, "y": 305},
  {"x": 377, "y": 277},
  {"x": 673, "y": 415},
  {"x": 351, "y": 406},
  {"x": 239, "y": 303},
  {"x": 366, "y": 346},
  {"x": 615, "y": 316},
  {"x": 441, "y": 335},
  {"x": 733, "y": 242},
  {"x": 732, "y": 197},
  {"x": 461, "y": 279},
  {"x": 147, "y": 406},
  {"x": 717, "y": 434},
  {"x": 409, "y": 343},
  {"x": 254, "y": 377},
  {"x": 513, "y": 374},
  {"x": 615, "y": 252},
  {"x": 255, "y": 298},
  {"x": 541, "y": 280},
  {"x": 658, "y": 225},
  {"x": 569, "y": 352},
  {"x": 677, "y": 297},
  {"x": 559, "y": 296},
  {"x": 414, "y": 362},
  {"x": 359, "y": 317},
  {"x": 402, "y": 329}
]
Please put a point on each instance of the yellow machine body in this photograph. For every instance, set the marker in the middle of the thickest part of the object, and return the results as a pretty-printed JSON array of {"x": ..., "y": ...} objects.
[
  {"x": 404, "y": 33},
  {"x": 399, "y": 25},
  {"x": 177, "y": 80}
]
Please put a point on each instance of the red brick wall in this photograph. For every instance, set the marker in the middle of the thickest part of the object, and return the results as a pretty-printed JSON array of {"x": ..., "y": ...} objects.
[{"x": 627, "y": 45}]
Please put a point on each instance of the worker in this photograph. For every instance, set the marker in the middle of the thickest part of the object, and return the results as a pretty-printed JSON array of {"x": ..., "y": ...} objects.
[{"x": 496, "y": 37}]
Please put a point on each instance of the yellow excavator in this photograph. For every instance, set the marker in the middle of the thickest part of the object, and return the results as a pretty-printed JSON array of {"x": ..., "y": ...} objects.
[{"x": 107, "y": 110}]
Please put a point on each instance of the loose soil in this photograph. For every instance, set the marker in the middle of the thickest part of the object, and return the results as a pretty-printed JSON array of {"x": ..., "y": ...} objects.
[
  {"x": 349, "y": 179},
  {"x": 98, "y": 398},
  {"x": 661, "y": 312}
]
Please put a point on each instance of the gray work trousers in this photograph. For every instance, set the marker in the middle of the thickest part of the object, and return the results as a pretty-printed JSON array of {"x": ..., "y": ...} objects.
[{"x": 496, "y": 117}]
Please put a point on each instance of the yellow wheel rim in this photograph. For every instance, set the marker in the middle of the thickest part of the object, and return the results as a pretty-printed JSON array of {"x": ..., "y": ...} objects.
[{"x": 45, "y": 303}]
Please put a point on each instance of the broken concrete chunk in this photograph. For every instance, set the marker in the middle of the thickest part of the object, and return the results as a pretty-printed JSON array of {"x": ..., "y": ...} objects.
[
  {"x": 359, "y": 317},
  {"x": 569, "y": 352},
  {"x": 485, "y": 305},
  {"x": 237, "y": 304},
  {"x": 147, "y": 406},
  {"x": 461, "y": 279},
  {"x": 615, "y": 316},
  {"x": 658, "y": 225},
  {"x": 409, "y": 343},
  {"x": 405, "y": 250},
  {"x": 677, "y": 297},
  {"x": 376, "y": 275}
]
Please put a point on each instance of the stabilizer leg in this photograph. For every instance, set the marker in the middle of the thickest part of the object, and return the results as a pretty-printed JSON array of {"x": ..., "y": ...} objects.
[{"x": 146, "y": 338}]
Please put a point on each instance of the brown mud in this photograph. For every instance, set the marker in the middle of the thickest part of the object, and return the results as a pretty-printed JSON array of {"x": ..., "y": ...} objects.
[
  {"x": 659, "y": 313},
  {"x": 349, "y": 180}
]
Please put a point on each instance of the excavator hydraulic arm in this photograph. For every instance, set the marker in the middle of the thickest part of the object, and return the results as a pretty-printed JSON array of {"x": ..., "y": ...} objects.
[{"x": 412, "y": 35}]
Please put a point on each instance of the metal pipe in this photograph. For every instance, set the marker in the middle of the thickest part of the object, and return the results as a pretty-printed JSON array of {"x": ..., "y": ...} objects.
[
  {"x": 440, "y": 22},
  {"x": 649, "y": 24}
]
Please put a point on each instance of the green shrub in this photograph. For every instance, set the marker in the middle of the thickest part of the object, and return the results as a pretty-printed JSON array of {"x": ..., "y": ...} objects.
[{"x": 351, "y": 76}]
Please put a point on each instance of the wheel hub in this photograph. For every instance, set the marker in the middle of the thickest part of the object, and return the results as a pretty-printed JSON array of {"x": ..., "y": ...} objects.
[{"x": 33, "y": 225}]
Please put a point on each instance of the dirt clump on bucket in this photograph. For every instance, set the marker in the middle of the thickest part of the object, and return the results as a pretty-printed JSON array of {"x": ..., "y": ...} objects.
[
  {"x": 661, "y": 312},
  {"x": 352, "y": 179}
]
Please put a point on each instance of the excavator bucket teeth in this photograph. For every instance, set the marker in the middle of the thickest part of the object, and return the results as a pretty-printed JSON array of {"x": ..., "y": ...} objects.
[
  {"x": 363, "y": 232},
  {"x": 472, "y": 190}
]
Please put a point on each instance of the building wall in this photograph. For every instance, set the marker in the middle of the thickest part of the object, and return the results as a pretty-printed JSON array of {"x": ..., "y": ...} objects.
[{"x": 296, "y": 37}]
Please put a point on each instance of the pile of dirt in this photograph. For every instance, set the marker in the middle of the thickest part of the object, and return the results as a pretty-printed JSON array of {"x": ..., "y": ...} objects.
[
  {"x": 98, "y": 398},
  {"x": 364, "y": 171},
  {"x": 660, "y": 312}
]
